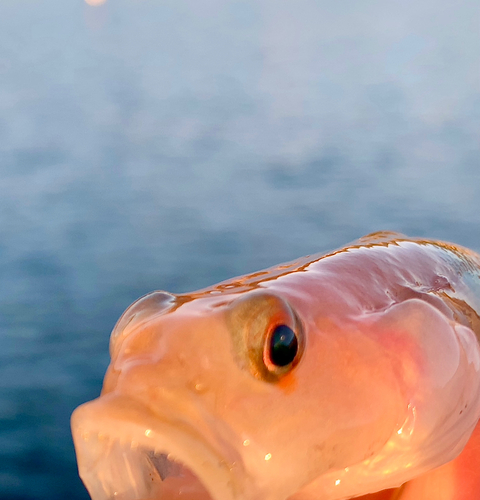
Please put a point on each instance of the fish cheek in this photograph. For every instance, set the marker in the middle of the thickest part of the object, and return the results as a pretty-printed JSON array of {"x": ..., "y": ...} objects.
[
  {"x": 365, "y": 406},
  {"x": 348, "y": 399},
  {"x": 342, "y": 409}
]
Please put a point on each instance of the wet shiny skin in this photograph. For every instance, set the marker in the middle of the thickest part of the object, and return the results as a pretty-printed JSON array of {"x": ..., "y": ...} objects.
[{"x": 384, "y": 387}]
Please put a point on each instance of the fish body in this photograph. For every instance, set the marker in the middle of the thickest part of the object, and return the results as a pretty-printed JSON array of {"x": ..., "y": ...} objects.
[{"x": 329, "y": 377}]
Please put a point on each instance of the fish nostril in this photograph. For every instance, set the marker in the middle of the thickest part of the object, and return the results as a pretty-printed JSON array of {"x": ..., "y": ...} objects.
[
  {"x": 200, "y": 387},
  {"x": 197, "y": 386}
]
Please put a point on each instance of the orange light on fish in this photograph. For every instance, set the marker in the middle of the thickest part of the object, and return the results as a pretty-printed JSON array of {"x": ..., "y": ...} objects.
[{"x": 354, "y": 374}]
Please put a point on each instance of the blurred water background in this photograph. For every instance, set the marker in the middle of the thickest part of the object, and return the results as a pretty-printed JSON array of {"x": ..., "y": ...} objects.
[{"x": 151, "y": 144}]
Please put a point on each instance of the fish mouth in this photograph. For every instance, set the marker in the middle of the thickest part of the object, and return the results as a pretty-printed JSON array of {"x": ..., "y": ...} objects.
[{"x": 127, "y": 452}]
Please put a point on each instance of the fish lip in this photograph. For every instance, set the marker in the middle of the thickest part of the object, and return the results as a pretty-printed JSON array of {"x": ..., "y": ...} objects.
[{"x": 120, "y": 421}]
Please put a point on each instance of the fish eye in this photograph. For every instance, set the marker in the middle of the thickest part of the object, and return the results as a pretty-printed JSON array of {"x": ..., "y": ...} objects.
[
  {"x": 282, "y": 346},
  {"x": 268, "y": 337}
]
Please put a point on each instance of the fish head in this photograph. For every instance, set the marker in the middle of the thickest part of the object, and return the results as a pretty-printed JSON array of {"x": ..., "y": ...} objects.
[
  {"x": 230, "y": 397},
  {"x": 251, "y": 395}
]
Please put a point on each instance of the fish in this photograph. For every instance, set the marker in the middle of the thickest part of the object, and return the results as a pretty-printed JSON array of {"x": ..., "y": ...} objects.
[{"x": 354, "y": 373}]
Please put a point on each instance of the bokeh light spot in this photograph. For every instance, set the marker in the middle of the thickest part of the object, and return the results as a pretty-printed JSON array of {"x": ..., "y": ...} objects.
[{"x": 95, "y": 3}]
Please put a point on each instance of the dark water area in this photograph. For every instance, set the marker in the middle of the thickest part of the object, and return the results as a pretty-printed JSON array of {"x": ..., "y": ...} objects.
[{"x": 172, "y": 144}]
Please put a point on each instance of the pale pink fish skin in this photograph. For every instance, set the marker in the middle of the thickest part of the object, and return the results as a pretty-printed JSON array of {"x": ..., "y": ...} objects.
[{"x": 385, "y": 387}]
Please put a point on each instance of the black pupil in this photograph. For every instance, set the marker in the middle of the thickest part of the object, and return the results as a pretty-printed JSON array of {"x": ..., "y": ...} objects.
[{"x": 283, "y": 346}]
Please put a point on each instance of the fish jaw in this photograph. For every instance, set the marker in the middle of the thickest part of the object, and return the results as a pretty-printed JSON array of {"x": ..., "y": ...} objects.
[{"x": 126, "y": 452}]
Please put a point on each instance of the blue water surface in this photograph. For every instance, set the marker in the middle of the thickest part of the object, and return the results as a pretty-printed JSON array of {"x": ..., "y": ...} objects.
[{"x": 150, "y": 144}]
